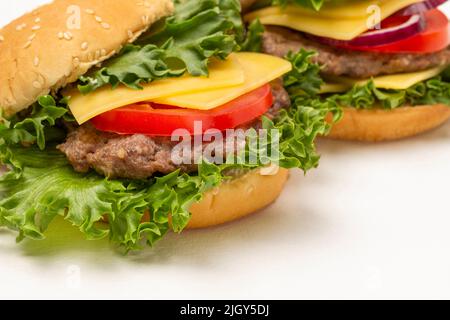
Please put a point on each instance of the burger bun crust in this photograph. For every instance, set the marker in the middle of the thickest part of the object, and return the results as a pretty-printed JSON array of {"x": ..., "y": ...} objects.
[
  {"x": 55, "y": 44},
  {"x": 385, "y": 125},
  {"x": 238, "y": 198}
]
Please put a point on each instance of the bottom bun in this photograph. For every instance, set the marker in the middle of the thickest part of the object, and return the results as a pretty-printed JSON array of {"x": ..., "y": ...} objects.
[
  {"x": 384, "y": 125},
  {"x": 238, "y": 197}
]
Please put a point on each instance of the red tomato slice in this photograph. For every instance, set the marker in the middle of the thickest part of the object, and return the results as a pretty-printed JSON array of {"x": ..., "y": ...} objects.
[
  {"x": 434, "y": 38},
  {"x": 160, "y": 120}
]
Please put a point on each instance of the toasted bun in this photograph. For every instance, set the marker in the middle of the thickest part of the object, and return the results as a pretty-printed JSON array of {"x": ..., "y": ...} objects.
[
  {"x": 238, "y": 198},
  {"x": 55, "y": 44},
  {"x": 383, "y": 125}
]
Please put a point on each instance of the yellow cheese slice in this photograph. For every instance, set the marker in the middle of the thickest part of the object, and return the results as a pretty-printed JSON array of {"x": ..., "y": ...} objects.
[
  {"x": 338, "y": 10},
  {"x": 259, "y": 69},
  {"x": 222, "y": 74},
  {"x": 341, "y": 22},
  {"x": 333, "y": 88},
  {"x": 396, "y": 81}
]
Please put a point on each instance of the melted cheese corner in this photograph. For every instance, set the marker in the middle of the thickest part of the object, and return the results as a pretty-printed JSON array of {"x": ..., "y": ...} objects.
[
  {"x": 259, "y": 69},
  {"x": 222, "y": 74},
  {"x": 340, "y": 21},
  {"x": 228, "y": 80},
  {"x": 400, "y": 81}
]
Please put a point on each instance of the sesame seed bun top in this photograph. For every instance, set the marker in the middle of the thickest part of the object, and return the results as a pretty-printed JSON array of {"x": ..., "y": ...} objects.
[{"x": 55, "y": 44}]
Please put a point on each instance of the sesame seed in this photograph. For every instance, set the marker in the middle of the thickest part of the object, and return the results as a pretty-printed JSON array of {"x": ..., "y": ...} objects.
[
  {"x": 27, "y": 44},
  {"x": 60, "y": 35},
  {"x": 21, "y": 27},
  {"x": 90, "y": 57},
  {"x": 68, "y": 35},
  {"x": 2, "y": 38},
  {"x": 84, "y": 46},
  {"x": 145, "y": 19},
  {"x": 37, "y": 20},
  {"x": 36, "y": 61},
  {"x": 89, "y": 11},
  {"x": 98, "y": 19},
  {"x": 130, "y": 34},
  {"x": 36, "y": 28},
  {"x": 76, "y": 62},
  {"x": 103, "y": 52},
  {"x": 31, "y": 38},
  {"x": 105, "y": 25},
  {"x": 37, "y": 85}
]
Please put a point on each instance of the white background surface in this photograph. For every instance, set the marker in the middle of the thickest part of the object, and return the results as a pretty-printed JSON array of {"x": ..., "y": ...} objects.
[{"x": 372, "y": 222}]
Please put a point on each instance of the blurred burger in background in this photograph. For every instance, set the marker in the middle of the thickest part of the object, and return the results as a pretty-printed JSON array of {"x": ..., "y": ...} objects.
[{"x": 383, "y": 62}]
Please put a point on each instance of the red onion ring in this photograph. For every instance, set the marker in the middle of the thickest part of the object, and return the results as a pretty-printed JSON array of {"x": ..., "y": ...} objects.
[
  {"x": 420, "y": 7},
  {"x": 414, "y": 25}
]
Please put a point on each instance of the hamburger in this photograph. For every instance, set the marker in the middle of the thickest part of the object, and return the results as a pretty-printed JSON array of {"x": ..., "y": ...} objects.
[
  {"x": 383, "y": 62},
  {"x": 129, "y": 119}
]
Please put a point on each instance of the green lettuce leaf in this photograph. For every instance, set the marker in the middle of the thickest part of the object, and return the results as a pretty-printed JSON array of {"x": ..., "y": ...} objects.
[
  {"x": 433, "y": 91},
  {"x": 43, "y": 185},
  {"x": 315, "y": 4},
  {"x": 133, "y": 66},
  {"x": 304, "y": 80},
  {"x": 303, "y": 84},
  {"x": 184, "y": 42},
  {"x": 254, "y": 37},
  {"x": 31, "y": 129}
]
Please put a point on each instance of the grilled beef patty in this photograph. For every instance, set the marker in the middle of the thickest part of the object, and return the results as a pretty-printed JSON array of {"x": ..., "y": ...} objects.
[
  {"x": 279, "y": 41},
  {"x": 139, "y": 156}
]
